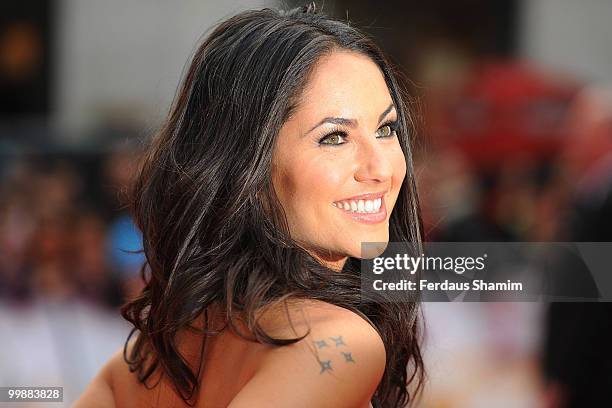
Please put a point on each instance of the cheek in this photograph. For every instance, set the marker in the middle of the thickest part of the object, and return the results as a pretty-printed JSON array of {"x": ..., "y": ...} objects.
[
  {"x": 284, "y": 185},
  {"x": 317, "y": 182},
  {"x": 306, "y": 185},
  {"x": 306, "y": 190}
]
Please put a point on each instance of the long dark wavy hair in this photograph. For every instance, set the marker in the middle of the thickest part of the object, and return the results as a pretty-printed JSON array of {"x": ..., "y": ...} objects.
[{"x": 213, "y": 229}]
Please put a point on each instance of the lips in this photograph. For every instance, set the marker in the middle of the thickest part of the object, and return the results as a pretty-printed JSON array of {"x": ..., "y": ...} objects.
[
  {"x": 366, "y": 196},
  {"x": 367, "y": 208},
  {"x": 364, "y": 203}
]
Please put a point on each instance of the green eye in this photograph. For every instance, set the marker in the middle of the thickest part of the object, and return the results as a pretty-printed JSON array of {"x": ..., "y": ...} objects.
[
  {"x": 387, "y": 130},
  {"x": 333, "y": 139}
]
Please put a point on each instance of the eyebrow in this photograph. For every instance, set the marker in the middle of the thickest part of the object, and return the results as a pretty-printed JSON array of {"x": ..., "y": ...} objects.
[{"x": 349, "y": 122}]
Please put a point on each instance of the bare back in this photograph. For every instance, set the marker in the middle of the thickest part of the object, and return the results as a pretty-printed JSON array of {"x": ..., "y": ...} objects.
[{"x": 230, "y": 362}]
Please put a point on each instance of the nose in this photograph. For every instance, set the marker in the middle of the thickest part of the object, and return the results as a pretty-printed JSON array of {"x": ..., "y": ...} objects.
[{"x": 374, "y": 165}]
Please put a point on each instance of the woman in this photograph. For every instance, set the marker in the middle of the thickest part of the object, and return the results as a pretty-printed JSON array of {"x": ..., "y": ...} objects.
[{"x": 286, "y": 148}]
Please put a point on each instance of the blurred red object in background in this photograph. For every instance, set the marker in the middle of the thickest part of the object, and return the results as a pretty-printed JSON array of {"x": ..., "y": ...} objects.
[{"x": 506, "y": 109}]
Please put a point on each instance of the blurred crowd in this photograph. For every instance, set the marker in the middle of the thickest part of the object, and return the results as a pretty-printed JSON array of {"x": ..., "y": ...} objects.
[
  {"x": 64, "y": 229},
  {"x": 68, "y": 259},
  {"x": 513, "y": 152}
]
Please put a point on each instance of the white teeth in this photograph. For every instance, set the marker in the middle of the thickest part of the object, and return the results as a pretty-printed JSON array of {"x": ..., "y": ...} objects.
[{"x": 360, "y": 206}]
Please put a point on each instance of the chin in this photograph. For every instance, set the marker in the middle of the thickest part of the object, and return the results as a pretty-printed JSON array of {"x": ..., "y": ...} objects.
[{"x": 375, "y": 247}]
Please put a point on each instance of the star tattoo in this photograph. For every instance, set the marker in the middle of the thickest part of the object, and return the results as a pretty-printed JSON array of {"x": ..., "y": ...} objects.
[
  {"x": 339, "y": 341},
  {"x": 348, "y": 358},
  {"x": 320, "y": 343},
  {"x": 325, "y": 366}
]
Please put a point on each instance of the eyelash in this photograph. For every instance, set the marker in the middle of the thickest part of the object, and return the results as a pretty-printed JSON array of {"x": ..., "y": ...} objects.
[{"x": 391, "y": 124}]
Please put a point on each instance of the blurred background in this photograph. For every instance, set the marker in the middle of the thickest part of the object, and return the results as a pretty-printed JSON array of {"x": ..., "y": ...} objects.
[{"x": 514, "y": 144}]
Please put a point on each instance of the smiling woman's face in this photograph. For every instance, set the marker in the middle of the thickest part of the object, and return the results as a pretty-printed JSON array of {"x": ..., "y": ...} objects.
[{"x": 337, "y": 164}]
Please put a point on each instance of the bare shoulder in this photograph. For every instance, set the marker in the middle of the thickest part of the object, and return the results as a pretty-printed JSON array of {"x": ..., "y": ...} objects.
[
  {"x": 99, "y": 392},
  {"x": 338, "y": 364},
  {"x": 294, "y": 317},
  {"x": 102, "y": 390}
]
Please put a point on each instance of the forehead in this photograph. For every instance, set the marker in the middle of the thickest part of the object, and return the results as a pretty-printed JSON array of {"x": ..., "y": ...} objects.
[{"x": 344, "y": 83}]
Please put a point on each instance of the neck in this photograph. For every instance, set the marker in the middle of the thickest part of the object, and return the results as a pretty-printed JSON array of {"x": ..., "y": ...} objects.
[{"x": 334, "y": 262}]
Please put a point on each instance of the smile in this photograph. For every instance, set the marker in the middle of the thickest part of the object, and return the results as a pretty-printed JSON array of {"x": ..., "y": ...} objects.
[
  {"x": 360, "y": 206},
  {"x": 366, "y": 208}
]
